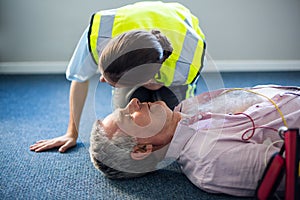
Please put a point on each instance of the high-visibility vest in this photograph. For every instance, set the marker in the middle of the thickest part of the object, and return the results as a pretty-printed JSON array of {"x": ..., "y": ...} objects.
[{"x": 172, "y": 19}]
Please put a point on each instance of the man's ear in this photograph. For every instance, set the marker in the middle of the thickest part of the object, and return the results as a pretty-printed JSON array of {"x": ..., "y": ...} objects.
[{"x": 141, "y": 151}]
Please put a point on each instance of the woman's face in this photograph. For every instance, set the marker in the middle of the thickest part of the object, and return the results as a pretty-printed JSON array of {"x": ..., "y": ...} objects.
[{"x": 145, "y": 121}]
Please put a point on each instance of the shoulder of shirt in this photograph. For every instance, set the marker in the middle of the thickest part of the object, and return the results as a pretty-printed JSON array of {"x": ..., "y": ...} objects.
[{"x": 276, "y": 86}]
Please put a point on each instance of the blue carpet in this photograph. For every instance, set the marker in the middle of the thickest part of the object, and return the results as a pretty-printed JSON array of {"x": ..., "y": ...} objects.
[{"x": 34, "y": 107}]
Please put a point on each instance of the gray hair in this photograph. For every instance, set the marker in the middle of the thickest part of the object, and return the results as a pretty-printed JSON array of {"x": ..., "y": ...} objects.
[{"x": 112, "y": 156}]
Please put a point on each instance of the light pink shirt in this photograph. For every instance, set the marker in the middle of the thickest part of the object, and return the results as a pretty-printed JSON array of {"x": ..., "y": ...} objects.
[{"x": 210, "y": 149}]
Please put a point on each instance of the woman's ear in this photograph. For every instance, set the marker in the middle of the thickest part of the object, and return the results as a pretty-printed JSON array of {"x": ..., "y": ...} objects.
[
  {"x": 141, "y": 151},
  {"x": 102, "y": 79}
]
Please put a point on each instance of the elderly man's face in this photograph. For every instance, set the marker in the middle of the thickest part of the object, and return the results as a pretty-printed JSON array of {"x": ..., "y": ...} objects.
[{"x": 145, "y": 121}]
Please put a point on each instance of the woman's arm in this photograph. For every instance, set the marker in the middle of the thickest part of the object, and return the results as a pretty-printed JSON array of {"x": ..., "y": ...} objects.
[{"x": 78, "y": 93}]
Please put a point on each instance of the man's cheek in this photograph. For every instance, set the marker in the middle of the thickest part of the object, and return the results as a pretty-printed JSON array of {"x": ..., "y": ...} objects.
[{"x": 141, "y": 120}]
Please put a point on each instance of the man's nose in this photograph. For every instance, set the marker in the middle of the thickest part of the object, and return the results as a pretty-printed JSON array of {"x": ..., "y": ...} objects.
[{"x": 135, "y": 103}]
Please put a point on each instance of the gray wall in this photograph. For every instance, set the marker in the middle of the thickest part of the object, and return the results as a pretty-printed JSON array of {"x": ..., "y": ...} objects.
[{"x": 48, "y": 30}]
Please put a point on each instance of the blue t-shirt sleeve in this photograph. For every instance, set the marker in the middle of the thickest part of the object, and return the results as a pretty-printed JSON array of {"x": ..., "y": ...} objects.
[{"x": 81, "y": 66}]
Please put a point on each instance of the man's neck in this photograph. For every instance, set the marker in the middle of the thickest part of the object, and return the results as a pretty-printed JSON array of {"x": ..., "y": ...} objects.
[{"x": 175, "y": 120}]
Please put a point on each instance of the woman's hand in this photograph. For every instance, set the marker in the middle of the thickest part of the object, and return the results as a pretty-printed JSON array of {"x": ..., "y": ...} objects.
[{"x": 63, "y": 142}]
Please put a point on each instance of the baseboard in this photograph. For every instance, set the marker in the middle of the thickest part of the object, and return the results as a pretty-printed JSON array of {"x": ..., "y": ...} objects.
[
  {"x": 33, "y": 67},
  {"x": 211, "y": 66},
  {"x": 252, "y": 65}
]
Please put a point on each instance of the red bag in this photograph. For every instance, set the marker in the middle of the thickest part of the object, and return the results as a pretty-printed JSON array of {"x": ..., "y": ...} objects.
[
  {"x": 292, "y": 159},
  {"x": 278, "y": 165}
]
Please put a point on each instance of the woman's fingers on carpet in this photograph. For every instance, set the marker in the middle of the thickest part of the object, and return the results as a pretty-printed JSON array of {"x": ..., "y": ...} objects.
[
  {"x": 38, "y": 144},
  {"x": 45, "y": 145}
]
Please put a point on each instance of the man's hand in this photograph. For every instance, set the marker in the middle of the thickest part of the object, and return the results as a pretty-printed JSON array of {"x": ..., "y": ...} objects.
[{"x": 63, "y": 142}]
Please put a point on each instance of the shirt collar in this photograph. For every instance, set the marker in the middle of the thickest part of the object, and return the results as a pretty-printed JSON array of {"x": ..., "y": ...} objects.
[{"x": 181, "y": 136}]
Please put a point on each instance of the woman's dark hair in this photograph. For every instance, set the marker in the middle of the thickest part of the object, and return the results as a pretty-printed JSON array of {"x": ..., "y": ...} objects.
[{"x": 132, "y": 50}]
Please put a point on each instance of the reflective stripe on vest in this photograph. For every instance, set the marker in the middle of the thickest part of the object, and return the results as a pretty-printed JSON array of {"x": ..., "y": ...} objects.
[
  {"x": 172, "y": 19},
  {"x": 100, "y": 31}
]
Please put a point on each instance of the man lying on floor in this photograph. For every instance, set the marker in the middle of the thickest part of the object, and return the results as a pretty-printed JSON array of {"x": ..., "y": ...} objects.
[{"x": 222, "y": 139}]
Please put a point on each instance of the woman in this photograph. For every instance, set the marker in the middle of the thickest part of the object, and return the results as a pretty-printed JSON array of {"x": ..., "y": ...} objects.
[{"x": 148, "y": 50}]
